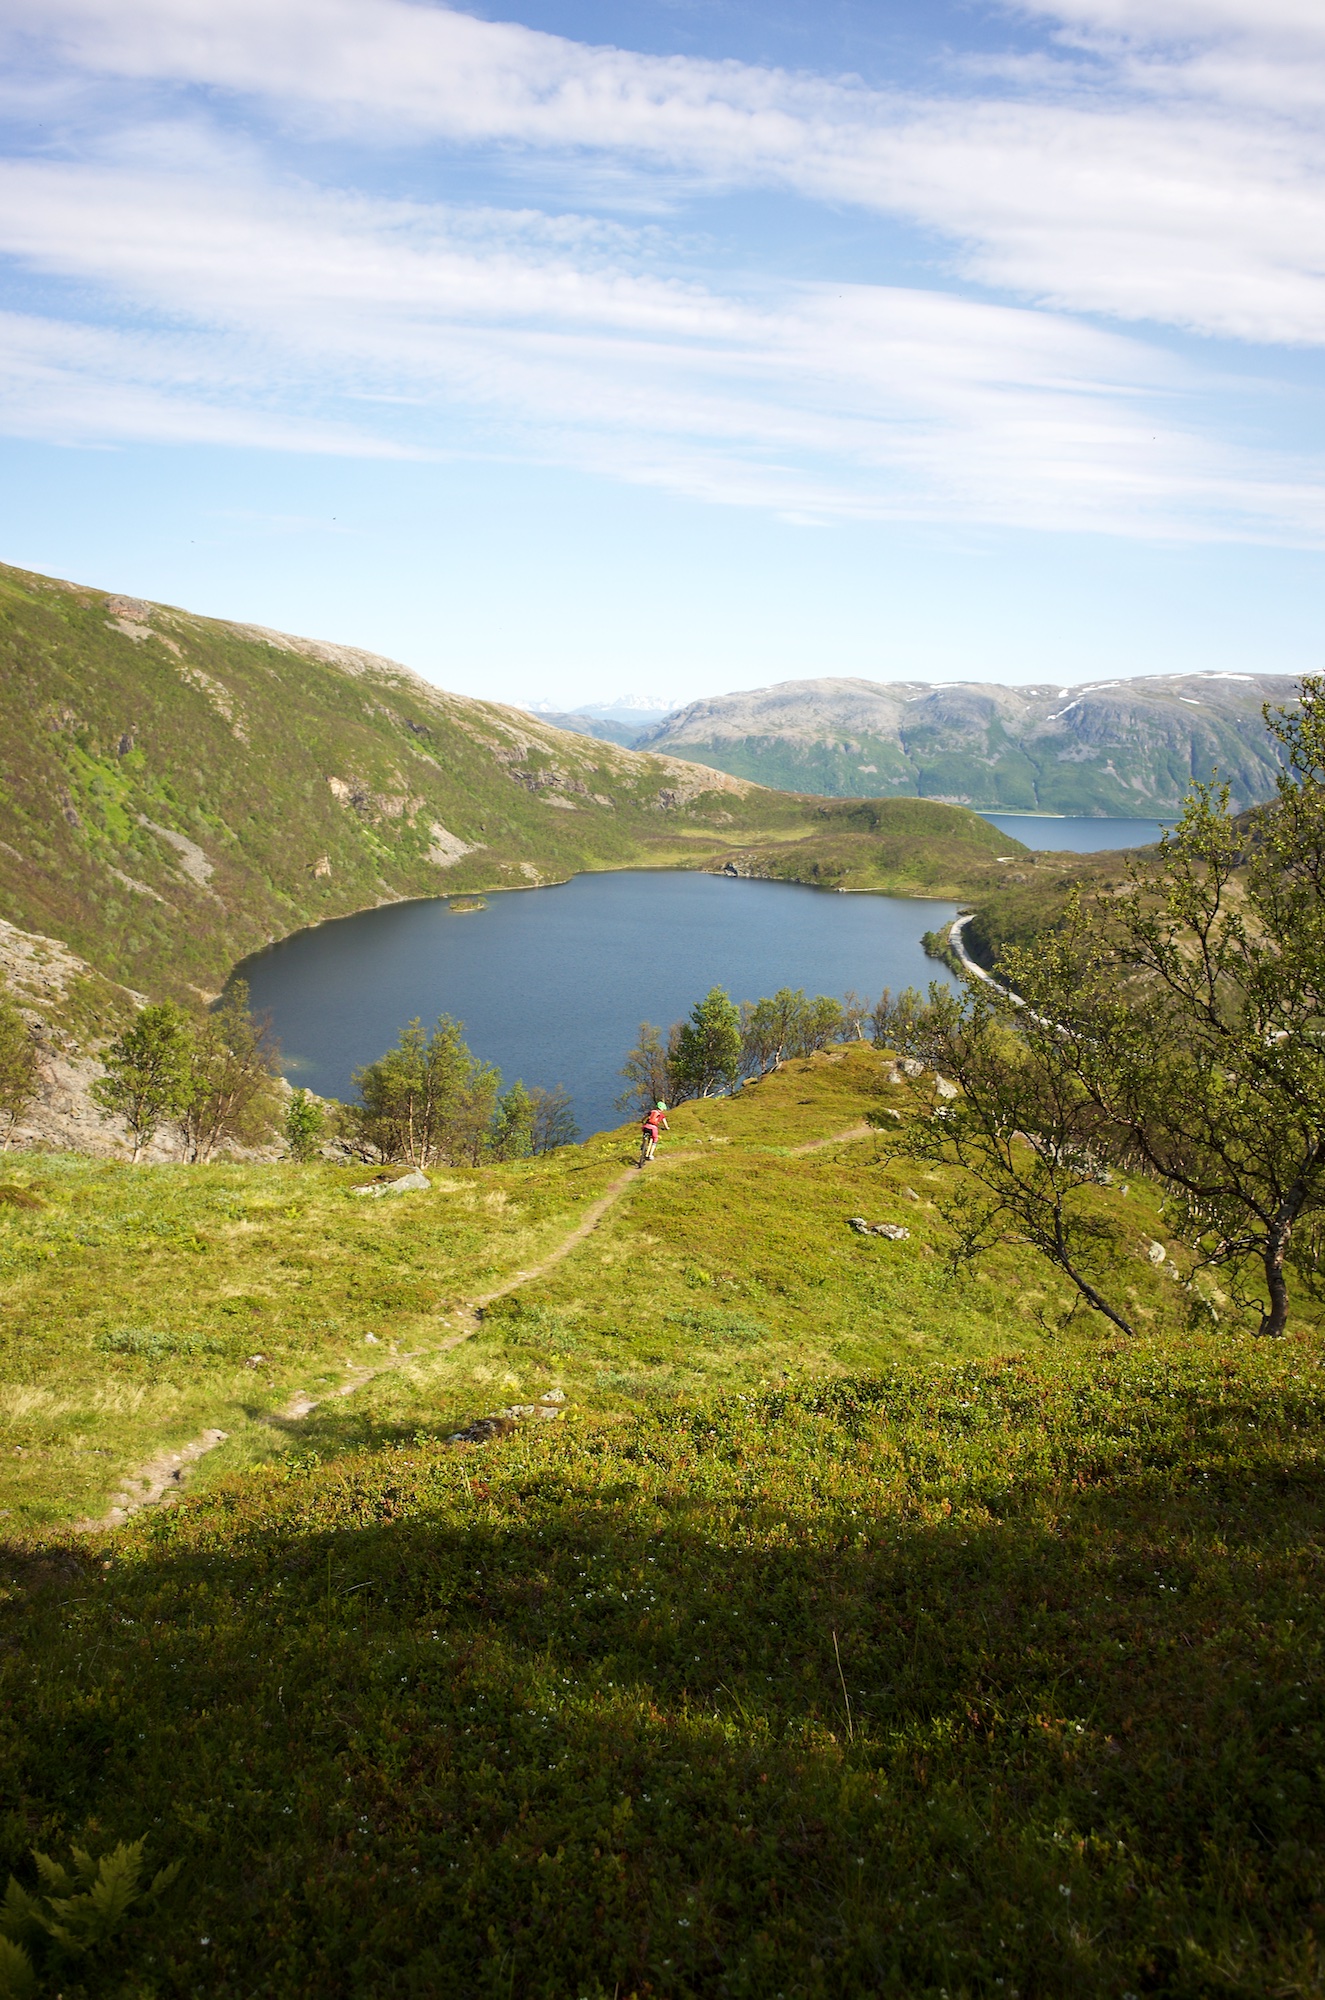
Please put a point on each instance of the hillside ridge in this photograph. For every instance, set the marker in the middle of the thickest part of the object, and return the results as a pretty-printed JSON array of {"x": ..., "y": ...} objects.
[{"x": 178, "y": 791}]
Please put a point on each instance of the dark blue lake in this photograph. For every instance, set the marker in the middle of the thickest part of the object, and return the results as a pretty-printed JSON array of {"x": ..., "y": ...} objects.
[
  {"x": 1077, "y": 836},
  {"x": 552, "y": 984}
]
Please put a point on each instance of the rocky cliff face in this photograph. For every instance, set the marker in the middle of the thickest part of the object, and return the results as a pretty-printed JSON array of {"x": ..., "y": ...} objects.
[
  {"x": 1125, "y": 747},
  {"x": 71, "y": 1012}
]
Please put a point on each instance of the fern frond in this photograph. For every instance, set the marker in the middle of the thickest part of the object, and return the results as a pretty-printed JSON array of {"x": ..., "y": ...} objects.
[
  {"x": 20, "y": 1915},
  {"x": 162, "y": 1880},
  {"x": 92, "y": 1917},
  {"x": 63, "y": 1935},
  {"x": 54, "y": 1879},
  {"x": 116, "y": 1885},
  {"x": 18, "y": 1981},
  {"x": 85, "y": 1919}
]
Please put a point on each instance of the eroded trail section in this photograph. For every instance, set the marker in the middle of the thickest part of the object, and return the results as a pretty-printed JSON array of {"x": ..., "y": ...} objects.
[
  {"x": 160, "y": 1480},
  {"x": 157, "y": 1481}
]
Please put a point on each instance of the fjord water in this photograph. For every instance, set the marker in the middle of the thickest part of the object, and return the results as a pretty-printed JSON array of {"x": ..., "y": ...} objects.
[
  {"x": 1067, "y": 835},
  {"x": 552, "y": 984}
]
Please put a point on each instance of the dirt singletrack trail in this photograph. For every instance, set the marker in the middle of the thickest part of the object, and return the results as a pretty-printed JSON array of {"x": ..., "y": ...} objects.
[
  {"x": 159, "y": 1480},
  {"x": 593, "y": 1215},
  {"x": 585, "y": 1227}
]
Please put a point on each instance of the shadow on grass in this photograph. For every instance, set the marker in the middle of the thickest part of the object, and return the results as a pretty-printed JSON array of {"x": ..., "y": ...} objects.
[
  {"x": 336, "y": 1430},
  {"x": 796, "y": 1699}
]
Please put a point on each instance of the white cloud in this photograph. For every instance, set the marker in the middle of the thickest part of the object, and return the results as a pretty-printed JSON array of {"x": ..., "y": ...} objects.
[
  {"x": 441, "y": 72},
  {"x": 1282, "y": 23},
  {"x": 259, "y": 312},
  {"x": 196, "y": 295},
  {"x": 1161, "y": 179},
  {"x": 229, "y": 249},
  {"x": 1136, "y": 215},
  {"x": 1265, "y": 54},
  {"x": 77, "y": 385}
]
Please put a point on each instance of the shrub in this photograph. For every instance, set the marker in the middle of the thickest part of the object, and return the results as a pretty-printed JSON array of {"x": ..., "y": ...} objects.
[
  {"x": 305, "y": 1126},
  {"x": 150, "y": 1345},
  {"x": 147, "y": 1079}
]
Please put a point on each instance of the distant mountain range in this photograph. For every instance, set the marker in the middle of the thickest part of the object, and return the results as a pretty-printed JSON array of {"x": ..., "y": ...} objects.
[
  {"x": 625, "y": 728},
  {"x": 1120, "y": 748},
  {"x": 623, "y": 721}
]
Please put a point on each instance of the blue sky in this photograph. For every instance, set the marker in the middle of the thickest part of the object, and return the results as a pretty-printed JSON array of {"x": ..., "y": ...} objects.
[{"x": 580, "y": 350}]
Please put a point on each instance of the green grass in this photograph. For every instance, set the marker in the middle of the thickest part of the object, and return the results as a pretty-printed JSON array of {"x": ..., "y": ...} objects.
[
  {"x": 135, "y": 1297},
  {"x": 737, "y": 1268},
  {"x": 564, "y": 1716},
  {"x": 567, "y": 1714}
]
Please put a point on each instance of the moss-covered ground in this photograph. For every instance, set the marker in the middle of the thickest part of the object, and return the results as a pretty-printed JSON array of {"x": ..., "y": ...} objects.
[{"x": 859, "y": 1630}]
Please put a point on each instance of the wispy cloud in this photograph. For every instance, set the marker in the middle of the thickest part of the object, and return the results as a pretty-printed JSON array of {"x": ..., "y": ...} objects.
[
  {"x": 1168, "y": 178},
  {"x": 255, "y": 311},
  {"x": 1264, "y": 57},
  {"x": 189, "y": 279},
  {"x": 78, "y": 385}
]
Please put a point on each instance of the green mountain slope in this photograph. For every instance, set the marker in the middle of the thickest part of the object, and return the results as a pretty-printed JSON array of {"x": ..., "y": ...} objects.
[
  {"x": 1122, "y": 748},
  {"x": 176, "y": 791}
]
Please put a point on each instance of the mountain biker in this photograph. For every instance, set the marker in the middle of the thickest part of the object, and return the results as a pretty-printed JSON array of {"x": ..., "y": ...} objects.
[{"x": 655, "y": 1121}]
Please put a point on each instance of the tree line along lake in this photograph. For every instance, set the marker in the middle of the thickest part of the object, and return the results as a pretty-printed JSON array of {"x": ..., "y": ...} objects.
[{"x": 553, "y": 983}]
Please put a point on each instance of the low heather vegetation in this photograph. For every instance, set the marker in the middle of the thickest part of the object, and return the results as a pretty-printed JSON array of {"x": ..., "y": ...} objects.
[
  {"x": 865, "y": 1624},
  {"x": 980, "y": 1679}
]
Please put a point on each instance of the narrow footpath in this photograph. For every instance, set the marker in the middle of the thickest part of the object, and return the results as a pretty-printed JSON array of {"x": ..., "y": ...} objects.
[{"x": 160, "y": 1480}]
